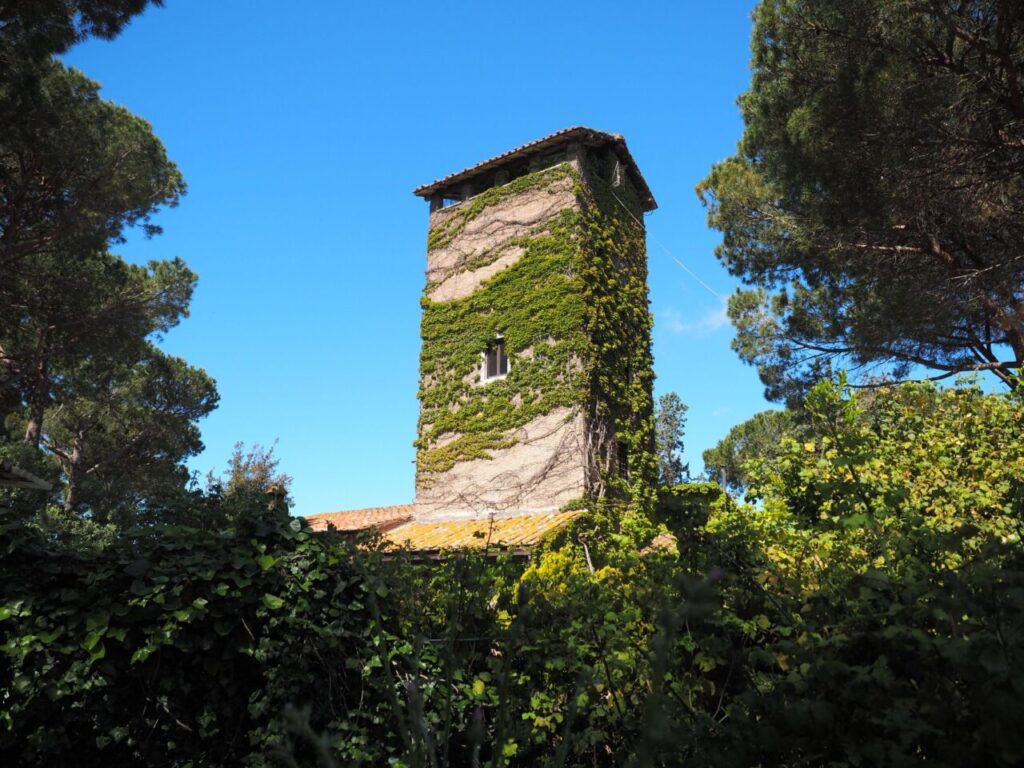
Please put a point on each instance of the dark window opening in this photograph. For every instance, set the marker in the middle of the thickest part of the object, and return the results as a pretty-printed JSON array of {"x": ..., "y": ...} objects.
[
  {"x": 621, "y": 458},
  {"x": 495, "y": 360},
  {"x": 510, "y": 171}
]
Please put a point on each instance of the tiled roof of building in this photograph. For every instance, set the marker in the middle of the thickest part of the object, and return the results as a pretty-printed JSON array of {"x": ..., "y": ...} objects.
[
  {"x": 578, "y": 133},
  {"x": 354, "y": 520},
  {"x": 514, "y": 532}
]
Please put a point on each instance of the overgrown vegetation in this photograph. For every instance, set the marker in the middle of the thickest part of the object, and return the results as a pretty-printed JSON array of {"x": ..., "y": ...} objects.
[
  {"x": 174, "y": 646},
  {"x": 537, "y": 305},
  {"x": 863, "y": 606},
  {"x": 87, "y": 398},
  {"x": 573, "y": 313},
  {"x": 759, "y": 438},
  {"x": 868, "y": 611}
]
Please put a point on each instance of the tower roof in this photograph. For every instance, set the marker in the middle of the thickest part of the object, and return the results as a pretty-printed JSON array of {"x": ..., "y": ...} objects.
[{"x": 586, "y": 136}]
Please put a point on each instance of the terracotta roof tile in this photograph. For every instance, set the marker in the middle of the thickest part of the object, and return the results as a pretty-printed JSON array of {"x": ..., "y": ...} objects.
[
  {"x": 576, "y": 133},
  {"x": 518, "y": 531},
  {"x": 354, "y": 520}
]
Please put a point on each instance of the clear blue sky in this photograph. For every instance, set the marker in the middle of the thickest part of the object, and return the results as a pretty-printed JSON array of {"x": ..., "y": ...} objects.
[{"x": 302, "y": 129}]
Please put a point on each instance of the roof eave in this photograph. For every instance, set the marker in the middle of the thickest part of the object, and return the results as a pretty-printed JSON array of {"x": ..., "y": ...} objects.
[{"x": 586, "y": 135}]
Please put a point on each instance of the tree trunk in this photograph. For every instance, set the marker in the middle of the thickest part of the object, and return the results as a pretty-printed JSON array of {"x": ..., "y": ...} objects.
[
  {"x": 38, "y": 395},
  {"x": 36, "y": 406},
  {"x": 73, "y": 472}
]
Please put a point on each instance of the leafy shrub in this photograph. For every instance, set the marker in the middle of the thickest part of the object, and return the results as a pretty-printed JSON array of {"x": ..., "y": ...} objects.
[
  {"x": 175, "y": 646},
  {"x": 867, "y": 610}
]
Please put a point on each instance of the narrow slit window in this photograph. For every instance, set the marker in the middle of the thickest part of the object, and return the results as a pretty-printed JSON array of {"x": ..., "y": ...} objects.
[
  {"x": 622, "y": 459},
  {"x": 495, "y": 360}
]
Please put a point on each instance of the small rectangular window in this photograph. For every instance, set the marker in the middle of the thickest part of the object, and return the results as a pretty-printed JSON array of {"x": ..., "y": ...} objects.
[{"x": 495, "y": 360}]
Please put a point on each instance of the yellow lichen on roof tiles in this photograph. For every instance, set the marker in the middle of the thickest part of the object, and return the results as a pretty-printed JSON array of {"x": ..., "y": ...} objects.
[{"x": 503, "y": 532}]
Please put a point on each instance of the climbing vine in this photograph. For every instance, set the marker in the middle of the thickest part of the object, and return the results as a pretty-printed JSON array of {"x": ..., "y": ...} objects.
[
  {"x": 618, "y": 324},
  {"x": 573, "y": 313},
  {"x": 452, "y": 225}
]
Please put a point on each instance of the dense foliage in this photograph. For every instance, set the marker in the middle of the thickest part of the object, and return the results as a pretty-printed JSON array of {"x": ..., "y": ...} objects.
[
  {"x": 875, "y": 203},
  {"x": 173, "y": 647},
  {"x": 32, "y": 31},
  {"x": 87, "y": 398},
  {"x": 868, "y": 611},
  {"x": 759, "y": 438},
  {"x": 251, "y": 471}
]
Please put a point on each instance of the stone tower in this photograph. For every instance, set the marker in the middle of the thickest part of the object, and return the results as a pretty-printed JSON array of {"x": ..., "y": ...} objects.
[{"x": 535, "y": 371}]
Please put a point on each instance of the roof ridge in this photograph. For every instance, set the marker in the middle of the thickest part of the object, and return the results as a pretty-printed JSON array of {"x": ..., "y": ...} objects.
[
  {"x": 360, "y": 509},
  {"x": 426, "y": 190}
]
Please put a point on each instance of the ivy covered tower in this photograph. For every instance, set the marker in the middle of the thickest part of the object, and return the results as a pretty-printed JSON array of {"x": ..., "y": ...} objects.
[{"x": 535, "y": 372}]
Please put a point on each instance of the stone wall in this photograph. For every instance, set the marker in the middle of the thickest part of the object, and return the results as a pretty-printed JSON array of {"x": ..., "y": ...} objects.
[{"x": 541, "y": 471}]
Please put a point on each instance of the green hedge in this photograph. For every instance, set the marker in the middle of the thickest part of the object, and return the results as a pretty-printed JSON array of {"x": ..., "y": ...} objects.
[
  {"x": 868, "y": 609},
  {"x": 175, "y": 647}
]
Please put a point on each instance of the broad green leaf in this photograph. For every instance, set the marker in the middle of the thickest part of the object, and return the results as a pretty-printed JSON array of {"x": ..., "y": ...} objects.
[{"x": 272, "y": 601}]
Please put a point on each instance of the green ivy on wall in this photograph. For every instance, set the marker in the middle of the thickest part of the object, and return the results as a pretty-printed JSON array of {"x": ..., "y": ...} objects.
[{"x": 573, "y": 313}]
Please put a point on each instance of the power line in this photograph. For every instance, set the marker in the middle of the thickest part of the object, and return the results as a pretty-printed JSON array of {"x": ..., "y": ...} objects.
[{"x": 663, "y": 247}]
